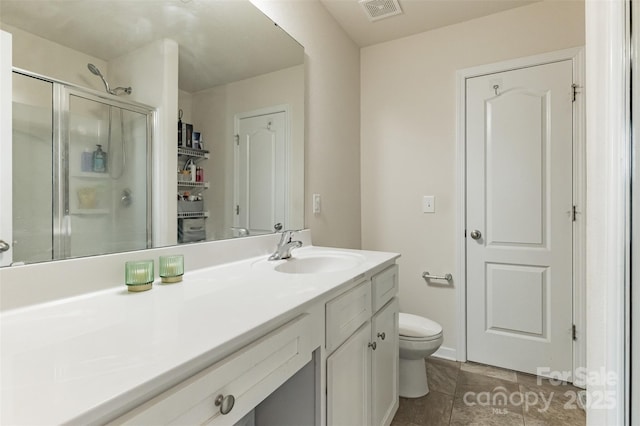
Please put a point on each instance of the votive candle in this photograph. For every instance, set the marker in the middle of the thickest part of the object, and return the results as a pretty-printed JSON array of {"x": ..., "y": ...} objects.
[
  {"x": 171, "y": 268},
  {"x": 139, "y": 275}
]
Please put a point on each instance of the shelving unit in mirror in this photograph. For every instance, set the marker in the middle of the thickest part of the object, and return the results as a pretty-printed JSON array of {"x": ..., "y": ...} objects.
[{"x": 191, "y": 213}]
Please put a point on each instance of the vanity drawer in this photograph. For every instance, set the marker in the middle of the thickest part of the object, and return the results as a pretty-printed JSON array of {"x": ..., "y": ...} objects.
[
  {"x": 250, "y": 375},
  {"x": 346, "y": 313},
  {"x": 384, "y": 286}
]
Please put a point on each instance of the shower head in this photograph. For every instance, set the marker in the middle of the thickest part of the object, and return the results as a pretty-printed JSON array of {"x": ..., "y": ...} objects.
[
  {"x": 94, "y": 70},
  {"x": 118, "y": 90}
]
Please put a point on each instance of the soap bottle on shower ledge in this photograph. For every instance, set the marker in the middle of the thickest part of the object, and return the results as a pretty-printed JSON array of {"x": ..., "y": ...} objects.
[{"x": 99, "y": 160}]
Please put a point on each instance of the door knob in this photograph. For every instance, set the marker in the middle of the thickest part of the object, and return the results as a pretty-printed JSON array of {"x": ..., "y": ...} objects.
[
  {"x": 476, "y": 235},
  {"x": 382, "y": 335},
  {"x": 372, "y": 345},
  {"x": 4, "y": 246}
]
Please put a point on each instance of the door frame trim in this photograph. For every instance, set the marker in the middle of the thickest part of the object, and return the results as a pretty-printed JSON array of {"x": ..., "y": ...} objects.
[{"x": 576, "y": 55}]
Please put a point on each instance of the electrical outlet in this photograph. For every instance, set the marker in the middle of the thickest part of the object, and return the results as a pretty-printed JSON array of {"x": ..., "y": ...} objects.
[
  {"x": 316, "y": 203},
  {"x": 428, "y": 204}
]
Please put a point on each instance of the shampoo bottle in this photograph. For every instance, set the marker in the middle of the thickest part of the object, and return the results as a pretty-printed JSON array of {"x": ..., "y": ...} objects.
[
  {"x": 86, "y": 163},
  {"x": 99, "y": 160},
  {"x": 192, "y": 169}
]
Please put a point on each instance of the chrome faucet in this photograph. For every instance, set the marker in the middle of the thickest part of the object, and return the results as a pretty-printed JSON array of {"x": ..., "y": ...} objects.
[{"x": 286, "y": 244}]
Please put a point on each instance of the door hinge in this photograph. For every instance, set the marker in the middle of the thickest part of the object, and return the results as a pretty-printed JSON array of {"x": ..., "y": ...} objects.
[
  {"x": 237, "y": 139},
  {"x": 574, "y": 87},
  {"x": 574, "y": 333},
  {"x": 237, "y": 209}
]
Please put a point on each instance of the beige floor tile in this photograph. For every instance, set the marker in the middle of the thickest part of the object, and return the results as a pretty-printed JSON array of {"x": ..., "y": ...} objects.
[
  {"x": 445, "y": 362},
  {"x": 464, "y": 413},
  {"x": 442, "y": 376},
  {"x": 476, "y": 383},
  {"x": 562, "y": 394},
  {"x": 468, "y": 394},
  {"x": 487, "y": 370},
  {"x": 436, "y": 410},
  {"x": 549, "y": 410},
  {"x": 406, "y": 411}
]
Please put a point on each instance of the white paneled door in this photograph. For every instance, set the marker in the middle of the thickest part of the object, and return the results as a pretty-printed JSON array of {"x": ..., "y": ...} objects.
[
  {"x": 261, "y": 172},
  {"x": 520, "y": 218}
]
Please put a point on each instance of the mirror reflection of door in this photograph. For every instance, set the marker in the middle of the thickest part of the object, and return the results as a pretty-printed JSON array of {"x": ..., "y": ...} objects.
[{"x": 260, "y": 171}]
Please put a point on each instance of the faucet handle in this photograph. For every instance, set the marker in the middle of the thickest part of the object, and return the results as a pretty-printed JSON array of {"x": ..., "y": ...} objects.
[
  {"x": 287, "y": 236},
  {"x": 277, "y": 227}
]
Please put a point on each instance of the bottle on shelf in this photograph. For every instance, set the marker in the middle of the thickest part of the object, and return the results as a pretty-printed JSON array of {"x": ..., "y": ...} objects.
[
  {"x": 86, "y": 161},
  {"x": 180, "y": 128},
  {"x": 192, "y": 169},
  {"x": 99, "y": 160}
]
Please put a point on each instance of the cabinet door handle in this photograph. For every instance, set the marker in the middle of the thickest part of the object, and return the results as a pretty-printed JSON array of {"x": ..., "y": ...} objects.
[
  {"x": 382, "y": 335},
  {"x": 225, "y": 403},
  {"x": 373, "y": 345}
]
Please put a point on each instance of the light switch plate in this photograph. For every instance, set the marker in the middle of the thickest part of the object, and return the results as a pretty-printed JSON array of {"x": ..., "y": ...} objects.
[
  {"x": 428, "y": 204},
  {"x": 316, "y": 203}
]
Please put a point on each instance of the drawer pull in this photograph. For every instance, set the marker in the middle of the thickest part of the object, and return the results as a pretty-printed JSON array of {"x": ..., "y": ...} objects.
[
  {"x": 373, "y": 345},
  {"x": 225, "y": 403},
  {"x": 382, "y": 335}
]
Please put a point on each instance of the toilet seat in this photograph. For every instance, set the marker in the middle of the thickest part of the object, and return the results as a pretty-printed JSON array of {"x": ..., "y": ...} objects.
[{"x": 415, "y": 327}]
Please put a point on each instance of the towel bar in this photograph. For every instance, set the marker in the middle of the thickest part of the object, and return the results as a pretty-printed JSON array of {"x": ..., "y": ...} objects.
[{"x": 428, "y": 276}]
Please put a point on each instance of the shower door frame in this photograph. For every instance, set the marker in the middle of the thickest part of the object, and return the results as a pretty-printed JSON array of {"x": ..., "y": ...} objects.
[{"x": 61, "y": 94}]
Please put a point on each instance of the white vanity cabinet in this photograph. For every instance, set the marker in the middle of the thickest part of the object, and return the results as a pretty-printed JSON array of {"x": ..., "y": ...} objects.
[
  {"x": 362, "y": 353},
  {"x": 223, "y": 393}
]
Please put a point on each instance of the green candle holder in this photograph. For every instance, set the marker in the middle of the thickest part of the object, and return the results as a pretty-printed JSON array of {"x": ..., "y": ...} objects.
[
  {"x": 139, "y": 275},
  {"x": 171, "y": 268}
]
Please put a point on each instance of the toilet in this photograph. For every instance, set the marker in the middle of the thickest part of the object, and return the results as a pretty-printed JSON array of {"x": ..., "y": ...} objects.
[{"x": 419, "y": 338}]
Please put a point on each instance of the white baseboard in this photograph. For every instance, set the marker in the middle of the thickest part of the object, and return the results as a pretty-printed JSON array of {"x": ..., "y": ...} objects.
[{"x": 446, "y": 353}]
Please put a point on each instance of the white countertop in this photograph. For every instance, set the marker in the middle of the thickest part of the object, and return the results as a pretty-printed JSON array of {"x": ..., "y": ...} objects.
[{"x": 81, "y": 359}]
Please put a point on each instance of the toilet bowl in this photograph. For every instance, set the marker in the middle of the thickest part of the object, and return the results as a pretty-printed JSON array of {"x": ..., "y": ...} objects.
[{"x": 419, "y": 338}]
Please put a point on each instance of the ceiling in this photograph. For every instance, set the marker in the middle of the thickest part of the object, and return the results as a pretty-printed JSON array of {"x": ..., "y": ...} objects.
[
  {"x": 220, "y": 41},
  {"x": 418, "y": 16}
]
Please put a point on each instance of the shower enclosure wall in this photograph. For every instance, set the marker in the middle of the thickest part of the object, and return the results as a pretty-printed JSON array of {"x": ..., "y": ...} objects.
[{"x": 62, "y": 207}]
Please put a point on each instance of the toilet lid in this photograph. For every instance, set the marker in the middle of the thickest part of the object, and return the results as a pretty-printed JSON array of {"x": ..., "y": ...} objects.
[{"x": 417, "y": 326}]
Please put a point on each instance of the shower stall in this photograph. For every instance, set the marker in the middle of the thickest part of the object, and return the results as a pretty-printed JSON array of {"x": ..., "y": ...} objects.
[{"x": 72, "y": 198}]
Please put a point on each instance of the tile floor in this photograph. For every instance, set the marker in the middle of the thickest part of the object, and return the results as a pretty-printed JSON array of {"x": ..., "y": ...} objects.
[{"x": 476, "y": 394}]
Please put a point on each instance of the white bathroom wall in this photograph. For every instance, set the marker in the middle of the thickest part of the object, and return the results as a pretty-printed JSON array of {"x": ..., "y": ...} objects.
[
  {"x": 332, "y": 118},
  {"x": 185, "y": 103},
  {"x": 409, "y": 138},
  {"x": 152, "y": 72},
  {"x": 213, "y": 112},
  {"x": 39, "y": 55}
]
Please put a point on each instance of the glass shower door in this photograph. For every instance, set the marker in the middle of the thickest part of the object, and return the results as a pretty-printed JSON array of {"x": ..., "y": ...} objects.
[
  {"x": 108, "y": 201},
  {"x": 33, "y": 169},
  {"x": 69, "y": 197}
]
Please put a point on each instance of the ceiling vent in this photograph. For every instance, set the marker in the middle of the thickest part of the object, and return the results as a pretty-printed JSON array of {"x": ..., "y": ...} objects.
[{"x": 380, "y": 9}]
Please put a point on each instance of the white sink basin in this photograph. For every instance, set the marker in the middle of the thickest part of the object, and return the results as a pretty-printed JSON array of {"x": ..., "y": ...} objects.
[
  {"x": 313, "y": 262},
  {"x": 319, "y": 263}
]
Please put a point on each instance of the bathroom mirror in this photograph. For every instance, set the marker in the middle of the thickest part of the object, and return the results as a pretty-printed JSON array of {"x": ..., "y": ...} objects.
[{"x": 222, "y": 66}]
